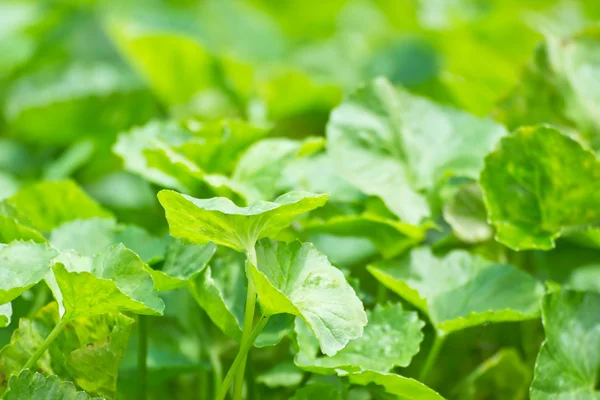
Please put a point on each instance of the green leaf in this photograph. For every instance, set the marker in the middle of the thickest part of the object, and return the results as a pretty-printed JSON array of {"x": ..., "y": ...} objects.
[
  {"x": 95, "y": 365},
  {"x": 398, "y": 385},
  {"x": 284, "y": 374},
  {"x": 36, "y": 386},
  {"x": 586, "y": 278},
  {"x": 296, "y": 279},
  {"x": 5, "y": 314},
  {"x": 391, "y": 144},
  {"x": 391, "y": 338},
  {"x": 467, "y": 216},
  {"x": 568, "y": 364},
  {"x": 503, "y": 376},
  {"x": 58, "y": 106},
  {"x": 182, "y": 264},
  {"x": 219, "y": 220},
  {"x": 389, "y": 236},
  {"x": 22, "y": 265},
  {"x": 538, "y": 184},
  {"x": 46, "y": 205},
  {"x": 277, "y": 328},
  {"x": 461, "y": 290},
  {"x": 116, "y": 280},
  {"x": 221, "y": 292}
]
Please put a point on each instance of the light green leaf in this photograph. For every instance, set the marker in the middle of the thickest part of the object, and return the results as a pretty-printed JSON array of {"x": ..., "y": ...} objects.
[
  {"x": 151, "y": 249},
  {"x": 391, "y": 338},
  {"x": 277, "y": 328},
  {"x": 502, "y": 376},
  {"x": 95, "y": 364},
  {"x": 538, "y": 184},
  {"x": 116, "y": 280},
  {"x": 568, "y": 364},
  {"x": 466, "y": 214},
  {"x": 296, "y": 279},
  {"x": 221, "y": 291},
  {"x": 36, "y": 386},
  {"x": 219, "y": 220},
  {"x": 182, "y": 264},
  {"x": 284, "y": 374},
  {"x": 22, "y": 265},
  {"x": 46, "y": 205},
  {"x": 461, "y": 290},
  {"x": 397, "y": 385},
  {"x": 87, "y": 237},
  {"x": 391, "y": 144},
  {"x": 391, "y": 237},
  {"x": 5, "y": 314},
  {"x": 58, "y": 106}
]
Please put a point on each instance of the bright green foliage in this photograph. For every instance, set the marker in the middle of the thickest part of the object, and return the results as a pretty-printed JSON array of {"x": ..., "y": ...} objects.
[
  {"x": 283, "y": 374},
  {"x": 538, "y": 184},
  {"x": 467, "y": 215},
  {"x": 5, "y": 314},
  {"x": 116, "y": 280},
  {"x": 22, "y": 265},
  {"x": 220, "y": 221},
  {"x": 568, "y": 364},
  {"x": 391, "y": 144},
  {"x": 461, "y": 290},
  {"x": 398, "y": 385},
  {"x": 28, "y": 385},
  {"x": 296, "y": 279},
  {"x": 391, "y": 338}
]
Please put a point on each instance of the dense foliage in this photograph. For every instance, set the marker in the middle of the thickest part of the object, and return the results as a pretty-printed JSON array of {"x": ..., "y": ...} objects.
[{"x": 300, "y": 199}]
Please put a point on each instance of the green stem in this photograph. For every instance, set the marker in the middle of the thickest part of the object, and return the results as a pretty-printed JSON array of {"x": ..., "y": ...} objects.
[
  {"x": 434, "y": 352},
  {"x": 142, "y": 367},
  {"x": 246, "y": 332},
  {"x": 42, "y": 349},
  {"x": 241, "y": 358}
]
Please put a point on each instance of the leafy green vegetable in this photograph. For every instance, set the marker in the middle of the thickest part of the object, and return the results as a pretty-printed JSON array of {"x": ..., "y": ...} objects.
[
  {"x": 28, "y": 385},
  {"x": 296, "y": 279},
  {"x": 568, "y": 363},
  {"x": 391, "y": 144},
  {"x": 461, "y": 290},
  {"x": 219, "y": 220},
  {"x": 398, "y": 385},
  {"x": 525, "y": 177}
]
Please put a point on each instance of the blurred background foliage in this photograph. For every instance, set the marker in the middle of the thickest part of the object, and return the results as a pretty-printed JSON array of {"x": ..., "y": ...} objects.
[{"x": 76, "y": 73}]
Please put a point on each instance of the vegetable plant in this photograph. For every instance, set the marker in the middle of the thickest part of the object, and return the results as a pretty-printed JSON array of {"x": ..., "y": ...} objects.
[{"x": 209, "y": 199}]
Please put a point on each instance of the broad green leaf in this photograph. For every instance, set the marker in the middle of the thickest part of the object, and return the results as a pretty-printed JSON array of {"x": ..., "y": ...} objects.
[
  {"x": 28, "y": 385},
  {"x": 95, "y": 364},
  {"x": 151, "y": 249},
  {"x": 221, "y": 291},
  {"x": 219, "y": 220},
  {"x": 284, "y": 374},
  {"x": 316, "y": 390},
  {"x": 45, "y": 205},
  {"x": 393, "y": 145},
  {"x": 5, "y": 314},
  {"x": 560, "y": 86},
  {"x": 183, "y": 263},
  {"x": 461, "y": 290},
  {"x": 22, "y": 265},
  {"x": 466, "y": 214},
  {"x": 391, "y": 237},
  {"x": 538, "y": 184},
  {"x": 401, "y": 387},
  {"x": 568, "y": 364},
  {"x": 277, "y": 328},
  {"x": 296, "y": 279},
  {"x": 502, "y": 376},
  {"x": 391, "y": 338},
  {"x": 260, "y": 168},
  {"x": 57, "y": 106},
  {"x": 116, "y": 280}
]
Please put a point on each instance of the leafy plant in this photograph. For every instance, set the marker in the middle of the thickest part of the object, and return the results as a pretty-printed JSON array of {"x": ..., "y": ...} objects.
[{"x": 299, "y": 200}]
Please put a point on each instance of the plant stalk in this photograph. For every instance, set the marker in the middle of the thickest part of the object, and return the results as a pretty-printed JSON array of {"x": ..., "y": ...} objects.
[
  {"x": 142, "y": 367},
  {"x": 42, "y": 349},
  {"x": 434, "y": 352},
  {"x": 240, "y": 358}
]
